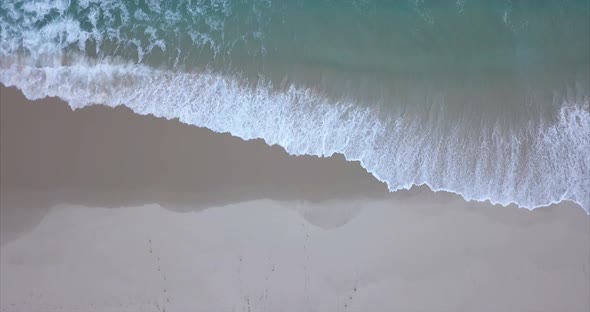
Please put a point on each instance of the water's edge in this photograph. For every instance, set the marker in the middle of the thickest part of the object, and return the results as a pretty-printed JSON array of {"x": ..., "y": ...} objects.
[{"x": 395, "y": 152}]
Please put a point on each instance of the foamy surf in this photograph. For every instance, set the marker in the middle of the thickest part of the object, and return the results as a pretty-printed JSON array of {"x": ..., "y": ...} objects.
[{"x": 532, "y": 166}]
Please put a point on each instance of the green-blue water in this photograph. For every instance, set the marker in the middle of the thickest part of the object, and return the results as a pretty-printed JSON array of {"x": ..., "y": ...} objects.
[{"x": 488, "y": 99}]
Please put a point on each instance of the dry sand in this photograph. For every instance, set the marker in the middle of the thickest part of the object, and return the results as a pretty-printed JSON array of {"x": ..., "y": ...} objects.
[{"x": 104, "y": 210}]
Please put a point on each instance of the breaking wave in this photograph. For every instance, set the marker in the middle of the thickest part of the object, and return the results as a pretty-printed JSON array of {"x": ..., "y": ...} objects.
[{"x": 531, "y": 166}]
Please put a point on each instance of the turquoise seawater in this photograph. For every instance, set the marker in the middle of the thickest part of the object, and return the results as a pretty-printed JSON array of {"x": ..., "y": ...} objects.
[{"x": 487, "y": 99}]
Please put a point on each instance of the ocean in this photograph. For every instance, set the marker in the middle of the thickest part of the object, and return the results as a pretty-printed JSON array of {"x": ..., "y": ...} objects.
[{"x": 486, "y": 99}]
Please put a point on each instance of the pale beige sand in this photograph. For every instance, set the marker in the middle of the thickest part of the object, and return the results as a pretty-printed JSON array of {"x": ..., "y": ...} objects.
[
  {"x": 400, "y": 255},
  {"x": 280, "y": 233}
]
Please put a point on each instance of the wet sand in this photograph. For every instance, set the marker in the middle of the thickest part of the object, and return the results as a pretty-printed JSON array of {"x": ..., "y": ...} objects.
[
  {"x": 104, "y": 210},
  {"x": 106, "y": 157}
]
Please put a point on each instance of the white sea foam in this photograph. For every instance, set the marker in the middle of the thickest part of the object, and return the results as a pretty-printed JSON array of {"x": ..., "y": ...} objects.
[{"x": 532, "y": 166}]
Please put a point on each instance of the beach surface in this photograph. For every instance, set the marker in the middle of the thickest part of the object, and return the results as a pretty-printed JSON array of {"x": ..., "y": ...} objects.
[{"x": 105, "y": 210}]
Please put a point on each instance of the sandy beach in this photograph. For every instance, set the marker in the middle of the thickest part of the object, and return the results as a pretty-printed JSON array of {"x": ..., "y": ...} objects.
[{"x": 105, "y": 210}]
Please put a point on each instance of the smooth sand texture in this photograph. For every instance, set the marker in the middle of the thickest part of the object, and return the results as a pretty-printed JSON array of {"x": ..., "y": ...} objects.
[
  {"x": 280, "y": 233},
  {"x": 262, "y": 256}
]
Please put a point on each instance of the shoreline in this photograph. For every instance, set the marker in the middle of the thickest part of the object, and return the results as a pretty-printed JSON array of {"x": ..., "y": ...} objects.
[{"x": 118, "y": 117}]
